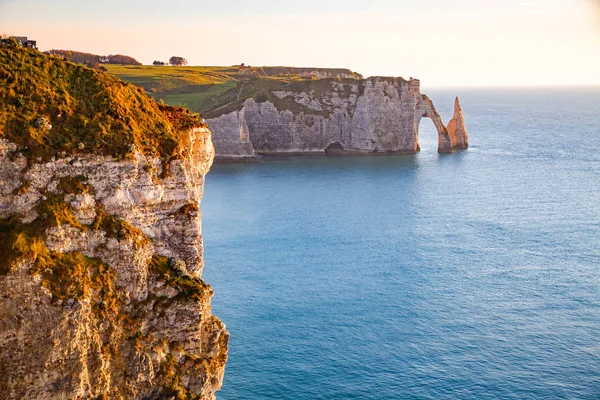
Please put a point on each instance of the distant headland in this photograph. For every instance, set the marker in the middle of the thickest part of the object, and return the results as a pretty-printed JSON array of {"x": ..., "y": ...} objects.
[{"x": 255, "y": 111}]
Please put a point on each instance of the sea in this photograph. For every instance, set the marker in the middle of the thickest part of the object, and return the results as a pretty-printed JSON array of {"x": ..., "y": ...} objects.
[{"x": 473, "y": 275}]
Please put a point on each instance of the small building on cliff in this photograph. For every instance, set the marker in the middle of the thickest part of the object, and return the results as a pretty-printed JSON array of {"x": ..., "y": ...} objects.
[{"x": 21, "y": 40}]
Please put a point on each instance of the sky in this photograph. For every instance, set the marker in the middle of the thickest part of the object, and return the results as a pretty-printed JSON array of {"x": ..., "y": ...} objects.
[{"x": 445, "y": 43}]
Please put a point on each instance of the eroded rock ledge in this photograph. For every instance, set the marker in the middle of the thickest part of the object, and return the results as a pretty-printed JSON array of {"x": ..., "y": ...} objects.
[
  {"x": 101, "y": 293},
  {"x": 377, "y": 115}
]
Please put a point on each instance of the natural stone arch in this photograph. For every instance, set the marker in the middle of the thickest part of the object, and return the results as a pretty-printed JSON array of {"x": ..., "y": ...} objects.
[{"x": 428, "y": 110}]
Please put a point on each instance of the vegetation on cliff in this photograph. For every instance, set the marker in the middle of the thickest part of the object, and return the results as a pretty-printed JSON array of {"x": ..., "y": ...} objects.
[
  {"x": 20, "y": 241},
  {"x": 49, "y": 106},
  {"x": 262, "y": 90},
  {"x": 188, "y": 286},
  {"x": 205, "y": 88}
]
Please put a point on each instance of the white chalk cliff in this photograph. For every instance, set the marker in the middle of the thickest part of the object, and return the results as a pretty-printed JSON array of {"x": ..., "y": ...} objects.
[{"x": 347, "y": 116}]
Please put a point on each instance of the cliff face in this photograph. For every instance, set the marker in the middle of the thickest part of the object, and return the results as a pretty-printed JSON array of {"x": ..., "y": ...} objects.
[
  {"x": 100, "y": 277},
  {"x": 233, "y": 140},
  {"x": 374, "y": 115},
  {"x": 101, "y": 293}
]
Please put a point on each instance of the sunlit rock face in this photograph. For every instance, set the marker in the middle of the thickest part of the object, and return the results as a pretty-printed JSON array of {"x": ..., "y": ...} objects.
[
  {"x": 457, "y": 129},
  {"x": 377, "y": 115},
  {"x": 110, "y": 303}
]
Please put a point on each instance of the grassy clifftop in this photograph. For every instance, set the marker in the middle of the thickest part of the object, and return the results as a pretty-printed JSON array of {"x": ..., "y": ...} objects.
[
  {"x": 261, "y": 90},
  {"x": 209, "y": 89},
  {"x": 49, "y": 106}
]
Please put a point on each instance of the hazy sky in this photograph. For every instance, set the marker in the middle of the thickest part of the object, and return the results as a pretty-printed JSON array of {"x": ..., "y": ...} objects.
[{"x": 442, "y": 42}]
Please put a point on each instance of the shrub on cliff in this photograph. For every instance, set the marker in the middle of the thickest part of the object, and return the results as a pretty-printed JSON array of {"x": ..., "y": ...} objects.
[{"x": 87, "y": 110}]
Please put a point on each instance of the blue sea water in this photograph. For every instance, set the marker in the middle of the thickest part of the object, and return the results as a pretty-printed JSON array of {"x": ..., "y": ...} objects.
[{"x": 474, "y": 275}]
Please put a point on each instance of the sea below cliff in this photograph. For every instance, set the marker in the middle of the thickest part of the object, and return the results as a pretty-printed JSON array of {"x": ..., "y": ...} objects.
[{"x": 473, "y": 275}]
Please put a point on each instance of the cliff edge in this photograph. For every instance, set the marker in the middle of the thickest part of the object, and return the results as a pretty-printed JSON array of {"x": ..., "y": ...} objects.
[{"x": 101, "y": 293}]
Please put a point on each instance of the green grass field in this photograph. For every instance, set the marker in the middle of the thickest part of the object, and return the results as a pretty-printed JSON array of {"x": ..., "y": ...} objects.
[
  {"x": 145, "y": 74},
  {"x": 201, "y": 99},
  {"x": 196, "y": 88},
  {"x": 202, "y": 89}
]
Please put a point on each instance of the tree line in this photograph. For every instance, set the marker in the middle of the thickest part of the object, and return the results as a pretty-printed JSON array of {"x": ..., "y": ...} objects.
[
  {"x": 95, "y": 59},
  {"x": 175, "y": 60},
  {"x": 87, "y": 58}
]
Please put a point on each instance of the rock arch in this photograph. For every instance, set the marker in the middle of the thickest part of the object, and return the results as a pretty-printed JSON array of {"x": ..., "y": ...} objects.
[
  {"x": 427, "y": 110},
  {"x": 334, "y": 148}
]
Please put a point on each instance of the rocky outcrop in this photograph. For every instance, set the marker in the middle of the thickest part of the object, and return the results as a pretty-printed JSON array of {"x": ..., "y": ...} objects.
[
  {"x": 234, "y": 140},
  {"x": 375, "y": 115},
  {"x": 100, "y": 277},
  {"x": 457, "y": 130}
]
